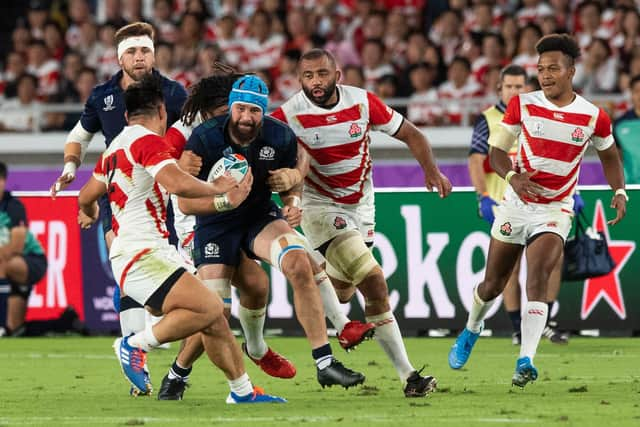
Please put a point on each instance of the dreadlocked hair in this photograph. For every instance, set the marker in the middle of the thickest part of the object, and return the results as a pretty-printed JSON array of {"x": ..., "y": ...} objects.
[{"x": 209, "y": 93}]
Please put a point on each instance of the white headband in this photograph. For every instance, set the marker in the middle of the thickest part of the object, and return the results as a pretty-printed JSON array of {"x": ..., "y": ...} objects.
[{"x": 137, "y": 41}]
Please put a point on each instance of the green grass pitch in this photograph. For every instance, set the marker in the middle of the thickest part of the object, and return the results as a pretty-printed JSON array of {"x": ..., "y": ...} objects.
[{"x": 76, "y": 382}]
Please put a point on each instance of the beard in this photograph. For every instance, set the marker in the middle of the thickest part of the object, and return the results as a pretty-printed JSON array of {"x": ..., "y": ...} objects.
[
  {"x": 246, "y": 133},
  {"x": 327, "y": 93},
  {"x": 136, "y": 74}
]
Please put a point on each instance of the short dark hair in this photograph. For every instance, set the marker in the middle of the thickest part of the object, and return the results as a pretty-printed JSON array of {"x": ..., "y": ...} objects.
[
  {"x": 635, "y": 79},
  {"x": 317, "y": 53},
  {"x": 559, "y": 42},
  {"x": 513, "y": 70},
  {"x": 534, "y": 83},
  {"x": 462, "y": 60},
  {"x": 144, "y": 96},
  {"x": 3, "y": 171}
]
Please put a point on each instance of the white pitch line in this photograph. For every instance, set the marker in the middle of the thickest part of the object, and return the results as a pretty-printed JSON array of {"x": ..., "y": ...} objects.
[{"x": 239, "y": 420}]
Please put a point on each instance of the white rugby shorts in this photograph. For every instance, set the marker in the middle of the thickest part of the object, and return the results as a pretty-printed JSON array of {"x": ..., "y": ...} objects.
[
  {"x": 141, "y": 273},
  {"x": 516, "y": 222}
]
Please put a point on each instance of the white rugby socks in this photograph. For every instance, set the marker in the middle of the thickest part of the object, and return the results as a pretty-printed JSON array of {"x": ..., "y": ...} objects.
[
  {"x": 252, "y": 322},
  {"x": 479, "y": 310},
  {"x": 389, "y": 337},
  {"x": 241, "y": 386},
  {"x": 533, "y": 322},
  {"x": 330, "y": 301},
  {"x": 145, "y": 340}
]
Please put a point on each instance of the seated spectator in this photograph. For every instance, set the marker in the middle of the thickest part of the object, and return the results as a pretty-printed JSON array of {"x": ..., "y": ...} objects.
[
  {"x": 189, "y": 41},
  {"x": 163, "y": 21},
  {"x": 374, "y": 64},
  {"x": 16, "y": 114},
  {"x": 108, "y": 63},
  {"x": 37, "y": 15},
  {"x": 71, "y": 66},
  {"x": 527, "y": 56},
  {"x": 352, "y": 75},
  {"x": 423, "y": 109},
  {"x": 492, "y": 55},
  {"x": 597, "y": 73},
  {"x": 227, "y": 37},
  {"x": 54, "y": 39},
  {"x": 44, "y": 68},
  {"x": 459, "y": 85},
  {"x": 287, "y": 83},
  {"x": 15, "y": 66},
  {"x": 589, "y": 24},
  {"x": 387, "y": 88},
  {"x": 532, "y": 11},
  {"x": 79, "y": 13},
  {"x": 263, "y": 47},
  {"x": 20, "y": 39},
  {"x": 447, "y": 34}
]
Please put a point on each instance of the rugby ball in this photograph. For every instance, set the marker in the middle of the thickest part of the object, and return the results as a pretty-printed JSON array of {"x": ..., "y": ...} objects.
[{"x": 236, "y": 164}]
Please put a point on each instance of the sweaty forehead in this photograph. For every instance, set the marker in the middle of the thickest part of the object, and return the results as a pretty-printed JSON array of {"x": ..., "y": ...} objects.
[{"x": 316, "y": 64}]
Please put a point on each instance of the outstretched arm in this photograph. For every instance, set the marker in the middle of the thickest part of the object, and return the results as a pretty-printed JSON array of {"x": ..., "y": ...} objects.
[{"x": 421, "y": 150}]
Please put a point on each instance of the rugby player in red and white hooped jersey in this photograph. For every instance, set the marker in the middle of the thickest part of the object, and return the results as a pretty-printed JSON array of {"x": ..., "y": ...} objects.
[
  {"x": 553, "y": 127},
  {"x": 332, "y": 123}
]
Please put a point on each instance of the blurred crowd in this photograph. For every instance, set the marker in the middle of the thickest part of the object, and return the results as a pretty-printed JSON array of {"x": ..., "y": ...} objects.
[{"x": 423, "y": 50}]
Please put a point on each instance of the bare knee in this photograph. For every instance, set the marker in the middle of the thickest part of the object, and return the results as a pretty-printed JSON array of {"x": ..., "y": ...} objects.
[
  {"x": 297, "y": 269},
  {"x": 376, "y": 292}
]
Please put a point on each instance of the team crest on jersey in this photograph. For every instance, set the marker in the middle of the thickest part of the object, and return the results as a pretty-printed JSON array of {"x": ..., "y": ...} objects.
[
  {"x": 355, "y": 130},
  {"x": 108, "y": 103},
  {"x": 267, "y": 153},
  {"x": 577, "y": 135},
  {"x": 339, "y": 223},
  {"x": 211, "y": 250},
  {"x": 505, "y": 229}
]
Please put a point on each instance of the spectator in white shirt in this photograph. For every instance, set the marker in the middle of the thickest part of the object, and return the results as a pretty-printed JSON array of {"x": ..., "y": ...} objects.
[
  {"x": 598, "y": 71},
  {"x": 16, "y": 114}
]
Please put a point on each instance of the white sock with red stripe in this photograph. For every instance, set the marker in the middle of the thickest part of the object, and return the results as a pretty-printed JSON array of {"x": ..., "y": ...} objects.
[
  {"x": 389, "y": 337},
  {"x": 533, "y": 322},
  {"x": 330, "y": 301},
  {"x": 145, "y": 340}
]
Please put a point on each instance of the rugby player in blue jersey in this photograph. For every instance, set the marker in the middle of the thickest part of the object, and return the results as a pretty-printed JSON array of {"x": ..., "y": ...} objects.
[{"x": 256, "y": 226}]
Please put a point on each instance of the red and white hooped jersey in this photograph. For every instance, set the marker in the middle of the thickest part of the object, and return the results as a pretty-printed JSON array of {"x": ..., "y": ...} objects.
[
  {"x": 552, "y": 140},
  {"x": 337, "y": 140},
  {"x": 139, "y": 204}
]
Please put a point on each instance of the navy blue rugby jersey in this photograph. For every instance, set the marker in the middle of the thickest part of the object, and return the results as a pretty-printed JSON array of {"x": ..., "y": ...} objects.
[
  {"x": 275, "y": 147},
  {"x": 104, "y": 110}
]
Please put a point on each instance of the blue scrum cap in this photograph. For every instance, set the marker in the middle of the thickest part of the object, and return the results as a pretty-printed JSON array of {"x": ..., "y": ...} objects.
[{"x": 251, "y": 90}]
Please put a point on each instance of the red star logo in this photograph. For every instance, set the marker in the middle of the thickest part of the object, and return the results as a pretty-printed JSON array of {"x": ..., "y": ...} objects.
[{"x": 607, "y": 287}]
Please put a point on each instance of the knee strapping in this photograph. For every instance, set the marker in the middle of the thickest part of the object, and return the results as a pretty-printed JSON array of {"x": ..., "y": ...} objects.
[
  {"x": 349, "y": 254},
  {"x": 221, "y": 287},
  {"x": 283, "y": 244}
]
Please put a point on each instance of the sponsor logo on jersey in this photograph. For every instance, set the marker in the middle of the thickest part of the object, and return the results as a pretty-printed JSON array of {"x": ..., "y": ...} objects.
[
  {"x": 108, "y": 103},
  {"x": 552, "y": 224},
  {"x": 339, "y": 223},
  {"x": 537, "y": 129},
  {"x": 355, "y": 130},
  {"x": 211, "y": 250},
  {"x": 558, "y": 116},
  {"x": 577, "y": 135},
  {"x": 505, "y": 229},
  {"x": 332, "y": 119},
  {"x": 267, "y": 153}
]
